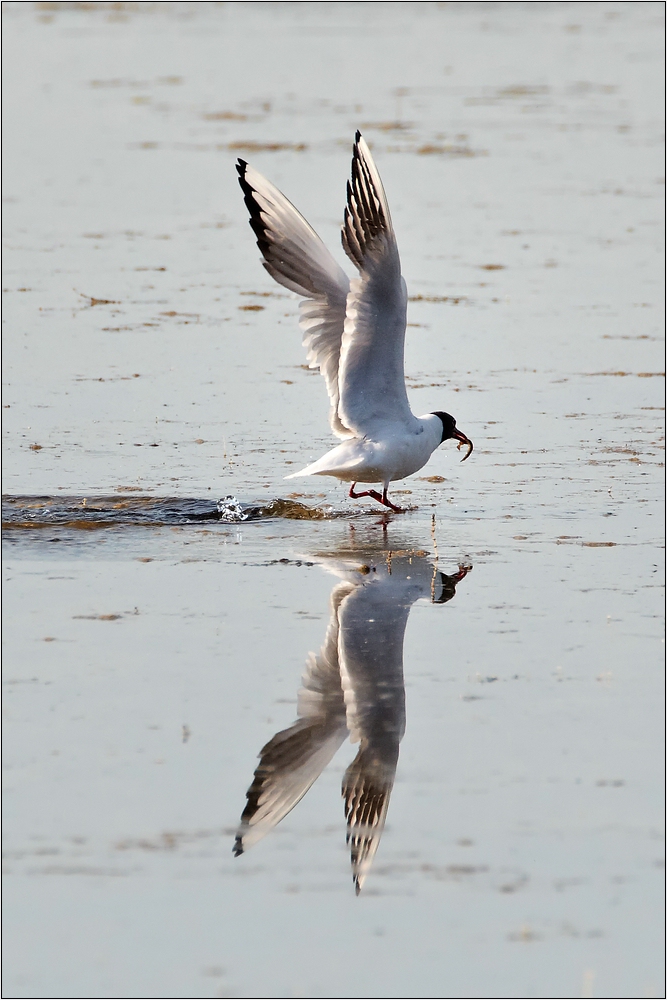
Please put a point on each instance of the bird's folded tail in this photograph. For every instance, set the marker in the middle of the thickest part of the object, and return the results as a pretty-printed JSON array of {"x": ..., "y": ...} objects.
[{"x": 336, "y": 462}]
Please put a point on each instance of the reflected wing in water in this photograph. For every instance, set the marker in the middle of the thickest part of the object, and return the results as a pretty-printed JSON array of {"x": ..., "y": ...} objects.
[
  {"x": 372, "y": 622},
  {"x": 372, "y": 628},
  {"x": 295, "y": 757},
  {"x": 366, "y": 789}
]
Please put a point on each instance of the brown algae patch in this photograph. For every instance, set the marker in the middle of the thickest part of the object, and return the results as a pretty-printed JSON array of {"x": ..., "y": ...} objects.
[
  {"x": 454, "y": 299},
  {"x": 433, "y": 149},
  {"x": 92, "y": 301},
  {"x": 265, "y": 147},
  {"x": 292, "y": 510},
  {"x": 396, "y": 126},
  {"x": 98, "y": 618},
  {"x": 224, "y": 116},
  {"x": 622, "y": 374}
]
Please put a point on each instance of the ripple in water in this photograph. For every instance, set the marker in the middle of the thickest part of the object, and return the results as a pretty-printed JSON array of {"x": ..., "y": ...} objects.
[{"x": 94, "y": 513}]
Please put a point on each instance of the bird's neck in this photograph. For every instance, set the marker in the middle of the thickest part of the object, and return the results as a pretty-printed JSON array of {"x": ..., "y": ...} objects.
[{"x": 433, "y": 428}]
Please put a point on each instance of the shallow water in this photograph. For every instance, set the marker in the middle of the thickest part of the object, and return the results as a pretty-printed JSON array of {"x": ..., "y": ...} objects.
[{"x": 164, "y": 586}]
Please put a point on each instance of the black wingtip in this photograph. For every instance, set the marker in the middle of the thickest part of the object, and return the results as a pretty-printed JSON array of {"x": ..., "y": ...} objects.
[
  {"x": 357, "y": 136},
  {"x": 241, "y": 166},
  {"x": 237, "y": 849}
]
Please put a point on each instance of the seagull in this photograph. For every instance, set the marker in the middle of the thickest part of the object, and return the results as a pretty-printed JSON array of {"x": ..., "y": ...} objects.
[
  {"x": 354, "y": 687},
  {"x": 353, "y": 330}
]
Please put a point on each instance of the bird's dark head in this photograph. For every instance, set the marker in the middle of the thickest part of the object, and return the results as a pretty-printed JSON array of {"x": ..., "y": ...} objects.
[{"x": 449, "y": 430}]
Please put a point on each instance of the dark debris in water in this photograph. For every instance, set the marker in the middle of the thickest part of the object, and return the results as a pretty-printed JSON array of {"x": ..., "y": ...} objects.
[{"x": 98, "y": 512}]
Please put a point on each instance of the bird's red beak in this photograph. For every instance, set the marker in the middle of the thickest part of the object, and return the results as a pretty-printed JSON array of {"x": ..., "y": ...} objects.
[{"x": 462, "y": 439}]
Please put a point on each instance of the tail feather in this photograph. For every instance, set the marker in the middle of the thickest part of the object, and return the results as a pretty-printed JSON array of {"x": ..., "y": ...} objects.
[{"x": 337, "y": 462}]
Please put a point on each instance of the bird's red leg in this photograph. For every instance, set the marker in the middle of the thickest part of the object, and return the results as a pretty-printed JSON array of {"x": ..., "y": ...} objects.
[
  {"x": 366, "y": 493},
  {"x": 380, "y": 497},
  {"x": 388, "y": 502}
]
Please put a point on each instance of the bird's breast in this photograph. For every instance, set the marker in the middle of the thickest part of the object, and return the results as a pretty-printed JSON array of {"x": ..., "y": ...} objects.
[{"x": 403, "y": 454}]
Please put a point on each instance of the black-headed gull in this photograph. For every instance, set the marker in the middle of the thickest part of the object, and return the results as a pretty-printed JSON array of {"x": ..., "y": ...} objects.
[
  {"x": 353, "y": 686},
  {"x": 354, "y": 331}
]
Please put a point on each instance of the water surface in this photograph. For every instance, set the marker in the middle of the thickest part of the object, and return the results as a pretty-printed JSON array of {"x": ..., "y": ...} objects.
[{"x": 156, "y": 639}]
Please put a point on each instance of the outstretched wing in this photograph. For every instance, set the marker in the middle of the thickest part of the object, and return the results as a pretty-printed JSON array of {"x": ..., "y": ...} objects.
[
  {"x": 297, "y": 258},
  {"x": 371, "y": 378},
  {"x": 366, "y": 789},
  {"x": 295, "y": 758}
]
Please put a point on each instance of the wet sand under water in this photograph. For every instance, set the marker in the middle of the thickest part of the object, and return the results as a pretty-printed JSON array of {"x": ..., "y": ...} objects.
[{"x": 157, "y": 637}]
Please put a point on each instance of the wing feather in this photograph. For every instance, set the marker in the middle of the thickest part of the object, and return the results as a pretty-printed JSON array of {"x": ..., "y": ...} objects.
[
  {"x": 371, "y": 375},
  {"x": 294, "y": 758},
  {"x": 366, "y": 790},
  {"x": 296, "y": 258}
]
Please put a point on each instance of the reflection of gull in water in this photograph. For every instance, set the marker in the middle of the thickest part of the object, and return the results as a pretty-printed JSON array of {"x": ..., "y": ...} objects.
[{"x": 355, "y": 685}]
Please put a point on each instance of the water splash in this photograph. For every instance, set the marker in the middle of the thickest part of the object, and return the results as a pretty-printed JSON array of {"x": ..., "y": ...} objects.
[{"x": 230, "y": 510}]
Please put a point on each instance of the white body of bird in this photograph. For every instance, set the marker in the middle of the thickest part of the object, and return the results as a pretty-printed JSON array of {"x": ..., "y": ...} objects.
[{"x": 394, "y": 453}]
